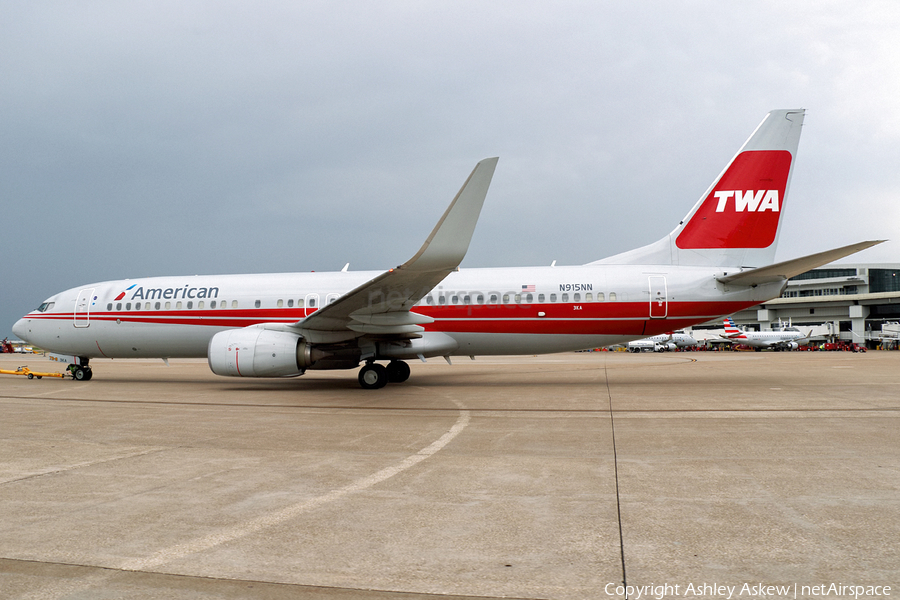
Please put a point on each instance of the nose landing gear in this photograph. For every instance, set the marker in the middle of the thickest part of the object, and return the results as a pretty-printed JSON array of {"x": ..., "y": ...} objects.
[{"x": 80, "y": 372}]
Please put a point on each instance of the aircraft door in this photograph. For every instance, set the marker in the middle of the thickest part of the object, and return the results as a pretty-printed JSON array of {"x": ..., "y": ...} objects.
[
  {"x": 310, "y": 304},
  {"x": 83, "y": 307},
  {"x": 659, "y": 305}
]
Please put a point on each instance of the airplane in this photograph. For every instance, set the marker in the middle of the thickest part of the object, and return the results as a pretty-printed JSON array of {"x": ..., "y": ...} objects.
[
  {"x": 788, "y": 338},
  {"x": 716, "y": 261},
  {"x": 662, "y": 342}
]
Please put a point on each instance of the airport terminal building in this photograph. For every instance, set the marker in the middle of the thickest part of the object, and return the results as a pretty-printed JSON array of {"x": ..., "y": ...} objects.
[{"x": 854, "y": 302}]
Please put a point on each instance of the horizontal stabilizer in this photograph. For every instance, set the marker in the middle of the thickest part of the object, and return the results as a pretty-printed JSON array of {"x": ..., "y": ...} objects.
[{"x": 791, "y": 268}]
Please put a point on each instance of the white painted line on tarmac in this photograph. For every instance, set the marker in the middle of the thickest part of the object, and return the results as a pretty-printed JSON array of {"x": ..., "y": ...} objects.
[
  {"x": 64, "y": 588},
  {"x": 271, "y": 519}
]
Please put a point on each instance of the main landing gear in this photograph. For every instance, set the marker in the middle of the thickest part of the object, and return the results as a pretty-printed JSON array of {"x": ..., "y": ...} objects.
[{"x": 374, "y": 376}]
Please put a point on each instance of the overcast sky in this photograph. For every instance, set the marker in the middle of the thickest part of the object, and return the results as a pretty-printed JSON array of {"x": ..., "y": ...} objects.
[{"x": 177, "y": 138}]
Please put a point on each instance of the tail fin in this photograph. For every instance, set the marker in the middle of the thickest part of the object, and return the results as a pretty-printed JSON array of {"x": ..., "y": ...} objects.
[
  {"x": 737, "y": 221},
  {"x": 731, "y": 330}
]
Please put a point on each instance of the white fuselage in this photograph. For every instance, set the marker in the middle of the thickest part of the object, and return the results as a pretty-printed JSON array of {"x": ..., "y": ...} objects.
[
  {"x": 767, "y": 339},
  {"x": 522, "y": 310},
  {"x": 663, "y": 341}
]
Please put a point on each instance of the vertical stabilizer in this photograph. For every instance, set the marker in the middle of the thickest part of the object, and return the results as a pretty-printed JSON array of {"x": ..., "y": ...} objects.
[{"x": 738, "y": 220}]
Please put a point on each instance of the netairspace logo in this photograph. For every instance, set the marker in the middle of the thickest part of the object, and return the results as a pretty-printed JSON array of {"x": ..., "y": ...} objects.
[{"x": 746, "y": 591}]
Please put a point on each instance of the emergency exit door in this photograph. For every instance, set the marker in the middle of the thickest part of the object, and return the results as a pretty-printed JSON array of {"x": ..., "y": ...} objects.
[{"x": 659, "y": 306}]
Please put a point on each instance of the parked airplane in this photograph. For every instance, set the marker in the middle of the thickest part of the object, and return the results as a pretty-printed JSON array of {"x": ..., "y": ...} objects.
[
  {"x": 662, "y": 342},
  {"x": 717, "y": 261},
  {"x": 788, "y": 338}
]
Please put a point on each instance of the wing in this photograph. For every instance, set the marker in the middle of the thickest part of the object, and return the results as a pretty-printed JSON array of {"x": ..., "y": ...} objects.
[{"x": 381, "y": 306}]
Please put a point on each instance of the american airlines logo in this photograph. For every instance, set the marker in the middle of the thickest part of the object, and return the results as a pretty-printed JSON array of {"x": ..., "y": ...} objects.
[
  {"x": 750, "y": 201},
  {"x": 186, "y": 292}
]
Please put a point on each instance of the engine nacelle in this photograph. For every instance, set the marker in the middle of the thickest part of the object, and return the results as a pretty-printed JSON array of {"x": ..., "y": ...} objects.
[
  {"x": 793, "y": 345},
  {"x": 255, "y": 352}
]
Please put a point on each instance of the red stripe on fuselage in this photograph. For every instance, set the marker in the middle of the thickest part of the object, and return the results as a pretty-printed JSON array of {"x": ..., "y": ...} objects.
[{"x": 590, "y": 318}]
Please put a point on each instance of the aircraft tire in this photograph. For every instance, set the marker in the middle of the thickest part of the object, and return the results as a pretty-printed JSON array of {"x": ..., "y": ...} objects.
[
  {"x": 397, "y": 371},
  {"x": 373, "y": 376},
  {"x": 78, "y": 374}
]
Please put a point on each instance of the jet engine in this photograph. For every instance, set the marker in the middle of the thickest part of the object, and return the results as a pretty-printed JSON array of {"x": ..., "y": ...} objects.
[
  {"x": 793, "y": 345},
  {"x": 257, "y": 352}
]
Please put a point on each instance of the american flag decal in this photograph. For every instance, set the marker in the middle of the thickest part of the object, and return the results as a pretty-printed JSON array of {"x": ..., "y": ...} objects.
[{"x": 528, "y": 288}]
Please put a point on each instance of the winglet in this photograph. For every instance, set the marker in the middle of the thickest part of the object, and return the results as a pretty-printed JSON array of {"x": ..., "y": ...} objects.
[{"x": 449, "y": 241}]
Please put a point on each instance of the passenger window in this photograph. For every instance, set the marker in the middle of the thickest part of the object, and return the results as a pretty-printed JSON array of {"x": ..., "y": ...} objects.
[
  {"x": 178, "y": 305},
  {"x": 518, "y": 298},
  {"x": 168, "y": 305},
  {"x": 128, "y": 306},
  {"x": 479, "y": 299},
  {"x": 312, "y": 303},
  {"x": 540, "y": 297},
  {"x": 211, "y": 304},
  {"x": 601, "y": 297},
  {"x": 612, "y": 296},
  {"x": 157, "y": 306},
  {"x": 234, "y": 304},
  {"x": 137, "y": 306},
  {"x": 467, "y": 299},
  {"x": 577, "y": 298},
  {"x": 552, "y": 297},
  {"x": 429, "y": 300},
  {"x": 528, "y": 298},
  {"x": 290, "y": 303},
  {"x": 190, "y": 304},
  {"x": 493, "y": 298},
  {"x": 505, "y": 298},
  {"x": 454, "y": 299},
  {"x": 257, "y": 304},
  {"x": 200, "y": 304},
  {"x": 280, "y": 303},
  {"x": 565, "y": 297},
  {"x": 589, "y": 297},
  {"x": 109, "y": 306},
  {"x": 442, "y": 300},
  {"x": 300, "y": 303}
]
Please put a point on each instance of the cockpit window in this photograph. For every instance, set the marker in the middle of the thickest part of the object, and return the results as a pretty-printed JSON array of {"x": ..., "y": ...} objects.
[{"x": 46, "y": 306}]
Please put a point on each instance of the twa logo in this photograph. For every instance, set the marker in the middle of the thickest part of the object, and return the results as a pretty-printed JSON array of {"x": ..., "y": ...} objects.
[
  {"x": 743, "y": 209},
  {"x": 750, "y": 201}
]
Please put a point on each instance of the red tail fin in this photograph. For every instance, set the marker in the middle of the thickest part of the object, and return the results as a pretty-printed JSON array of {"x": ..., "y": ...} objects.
[
  {"x": 744, "y": 207},
  {"x": 736, "y": 222}
]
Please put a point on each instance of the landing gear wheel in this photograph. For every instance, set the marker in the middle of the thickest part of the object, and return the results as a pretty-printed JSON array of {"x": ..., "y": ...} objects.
[
  {"x": 397, "y": 371},
  {"x": 373, "y": 376},
  {"x": 79, "y": 374},
  {"x": 88, "y": 373}
]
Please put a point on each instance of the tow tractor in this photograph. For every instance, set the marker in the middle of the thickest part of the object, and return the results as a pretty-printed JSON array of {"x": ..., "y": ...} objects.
[{"x": 31, "y": 374}]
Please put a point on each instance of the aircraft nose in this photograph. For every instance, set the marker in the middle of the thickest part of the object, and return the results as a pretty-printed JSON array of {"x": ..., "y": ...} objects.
[{"x": 20, "y": 329}]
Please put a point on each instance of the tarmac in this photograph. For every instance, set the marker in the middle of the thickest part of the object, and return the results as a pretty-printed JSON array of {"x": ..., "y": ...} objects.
[{"x": 567, "y": 476}]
